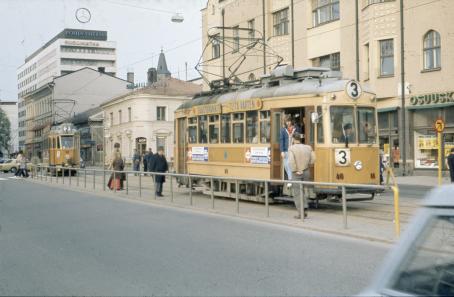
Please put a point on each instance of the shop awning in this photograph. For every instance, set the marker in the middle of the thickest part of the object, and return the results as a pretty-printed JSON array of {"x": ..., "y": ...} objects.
[
  {"x": 387, "y": 109},
  {"x": 431, "y": 106}
]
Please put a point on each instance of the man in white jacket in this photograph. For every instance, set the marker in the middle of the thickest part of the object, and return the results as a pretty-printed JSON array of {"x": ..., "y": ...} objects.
[{"x": 300, "y": 157}]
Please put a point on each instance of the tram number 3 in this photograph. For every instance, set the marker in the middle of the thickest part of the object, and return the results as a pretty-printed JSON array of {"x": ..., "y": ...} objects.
[
  {"x": 342, "y": 157},
  {"x": 353, "y": 89}
]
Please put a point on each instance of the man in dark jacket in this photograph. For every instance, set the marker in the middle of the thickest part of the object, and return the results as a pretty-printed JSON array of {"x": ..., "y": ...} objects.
[
  {"x": 451, "y": 164},
  {"x": 159, "y": 164},
  {"x": 150, "y": 156}
]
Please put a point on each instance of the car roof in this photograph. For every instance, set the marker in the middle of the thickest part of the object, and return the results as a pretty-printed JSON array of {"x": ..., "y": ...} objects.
[{"x": 440, "y": 197}]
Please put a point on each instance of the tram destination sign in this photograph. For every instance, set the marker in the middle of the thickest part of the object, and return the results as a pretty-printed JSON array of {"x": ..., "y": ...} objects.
[
  {"x": 432, "y": 99},
  {"x": 242, "y": 105}
]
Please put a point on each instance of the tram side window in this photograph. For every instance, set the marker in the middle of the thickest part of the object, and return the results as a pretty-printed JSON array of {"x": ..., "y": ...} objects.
[
  {"x": 252, "y": 127},
  {"x": 225, "y": 128},
  {"x": 58, "y": 142},
  {"x": 265, "y": 126},
  {"x": 192, "y": 130},
  {"x": 366, "y": 125},
  {"x": 343, "y": 124},
  {"x": 238, "y": 127},
  {"x": 320, "y": 134},
  {"x": 203, "y": 129},
  {"x": 214, "y": 129}
]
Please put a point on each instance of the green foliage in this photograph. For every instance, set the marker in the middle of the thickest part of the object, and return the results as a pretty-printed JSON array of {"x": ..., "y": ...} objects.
[{"x": 5, "y": 131}]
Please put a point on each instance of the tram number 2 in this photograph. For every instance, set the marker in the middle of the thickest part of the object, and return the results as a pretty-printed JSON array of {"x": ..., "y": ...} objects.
[{"x": 342, "y": 157}]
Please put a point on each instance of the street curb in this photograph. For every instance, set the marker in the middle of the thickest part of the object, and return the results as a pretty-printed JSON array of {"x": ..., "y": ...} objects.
[{"x": 169, "y": 205}]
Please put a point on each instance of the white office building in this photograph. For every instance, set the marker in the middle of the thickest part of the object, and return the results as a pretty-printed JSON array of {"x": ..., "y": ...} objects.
[{"x": 68, "y": 51}]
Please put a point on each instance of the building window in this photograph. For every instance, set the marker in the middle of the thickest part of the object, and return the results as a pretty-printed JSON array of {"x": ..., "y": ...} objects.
[
  {"x": 280, "y": 22},
  {"x": 111, "y": 119},
  {"x": 236, "y": 39},
  {"x": 216, "y": 47},
  {"x": 331, "y": 61},
  {"x": 161, "y": 143},
  {"x": 367, "y": 60},
  {"x": 386, "y": 57},
  {"x": 432, "y": 50},
  {"x": 129, "y": 114},
  {"x": 161, "y": 113},
  {"x": 324, "y": 11},
  {"x": 119, "y": 117},
  {"x": 251, "y": 32}
]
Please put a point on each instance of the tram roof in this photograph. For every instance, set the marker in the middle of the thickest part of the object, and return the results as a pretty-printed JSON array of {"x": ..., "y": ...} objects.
[{"x": 290, "y": 87}]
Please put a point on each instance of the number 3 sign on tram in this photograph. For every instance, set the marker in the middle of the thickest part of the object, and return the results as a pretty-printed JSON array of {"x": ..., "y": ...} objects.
[{"x": 353, "y": 89}]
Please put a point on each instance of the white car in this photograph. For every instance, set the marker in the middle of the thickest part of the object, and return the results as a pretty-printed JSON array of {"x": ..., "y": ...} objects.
[{"x": 422, "y": 263}]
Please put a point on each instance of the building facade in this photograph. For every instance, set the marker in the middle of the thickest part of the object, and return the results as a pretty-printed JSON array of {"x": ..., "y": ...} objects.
[
  {"x": 362, "y": 39},
  {"x": 10, "y": 109},
  {"x": 68, "y": 51},
  {"x": 61, "y": 99},
  {"x": 144, "y": 118}
]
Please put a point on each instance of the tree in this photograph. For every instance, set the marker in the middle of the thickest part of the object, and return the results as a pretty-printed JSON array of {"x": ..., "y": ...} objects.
[{"x": 5, "y": 131}]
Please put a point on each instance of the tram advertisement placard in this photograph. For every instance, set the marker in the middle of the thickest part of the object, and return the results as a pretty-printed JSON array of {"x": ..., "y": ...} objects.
[
  {"x": 258, "y": 155},
  {"x": 199, "y": 153}
]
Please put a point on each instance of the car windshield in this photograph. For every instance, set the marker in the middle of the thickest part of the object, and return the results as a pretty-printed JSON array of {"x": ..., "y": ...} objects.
[{"x": 428, "y": 269}]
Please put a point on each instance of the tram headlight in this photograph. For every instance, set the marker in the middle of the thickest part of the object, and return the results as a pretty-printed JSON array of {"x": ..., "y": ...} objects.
[{"x": 358, "y": 165}]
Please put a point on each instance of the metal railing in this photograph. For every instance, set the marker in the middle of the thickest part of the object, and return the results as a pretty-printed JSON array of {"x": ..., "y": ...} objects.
[{"x": 44, "y": 172}]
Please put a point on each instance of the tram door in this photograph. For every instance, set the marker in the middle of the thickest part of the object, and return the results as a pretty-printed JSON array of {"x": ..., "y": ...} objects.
[
  {"x": 276, "y": 162},
  {"x": 309, "y": 132},
  {"x": 181, "y": 146}
]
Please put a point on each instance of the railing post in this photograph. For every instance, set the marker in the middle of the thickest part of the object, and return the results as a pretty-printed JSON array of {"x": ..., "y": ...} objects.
[
  {"x": 77, "y": 174},
  {"x": 140, "y": 184},
  {"x": 344, "y": 206},
  {"x": 46, "y": 173},
  {"x": 50, "y": 171},
  {"x": 104, "y": 178},
  {"x": 85, "y": 178},
  {"x": 190, "y": 190},
  {"x": 237, "y": 197},
  {"x": 212, "y": 192},
  {"x": 69, "y": 176},
  {"x": 301, "y": 198},
  {"x": 153, "y": 177},
  {"x": 94, "y": 179},
  {"x": 396, "y": 211},
  {"x": 63, "y": 175},
  {"x": 41, "y": 172},
  {"x": 267, "y": 202},
  {"x": 171, "y": 188},
  {"x": 127, "y": 183}
]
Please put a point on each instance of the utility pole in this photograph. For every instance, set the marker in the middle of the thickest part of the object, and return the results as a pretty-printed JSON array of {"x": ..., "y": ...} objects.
[
  {"x": 264, "y": 36},
  {"x": 402, "y": 82},
  {"x": 293, "y": 33},
  {"x": 357, "y": 37},
  {"x": 223, "y": 43}
]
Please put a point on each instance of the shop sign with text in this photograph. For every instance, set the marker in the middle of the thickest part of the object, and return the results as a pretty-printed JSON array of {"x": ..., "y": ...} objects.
[{"x": 432, "y": 99}]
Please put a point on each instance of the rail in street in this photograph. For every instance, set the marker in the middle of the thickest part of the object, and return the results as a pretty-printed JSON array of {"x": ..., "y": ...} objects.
[{"x": 374, "y": 220}]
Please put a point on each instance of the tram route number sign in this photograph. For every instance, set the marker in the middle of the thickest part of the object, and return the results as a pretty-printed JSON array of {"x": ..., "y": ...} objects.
[
  {"x": 353, "y": 89},
  {"x": 439, "y": 125},
  {"x": 342, "y": 157}
]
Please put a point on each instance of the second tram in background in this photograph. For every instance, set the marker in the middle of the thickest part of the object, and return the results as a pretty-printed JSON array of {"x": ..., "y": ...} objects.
[{"x": 235, "y": 133}]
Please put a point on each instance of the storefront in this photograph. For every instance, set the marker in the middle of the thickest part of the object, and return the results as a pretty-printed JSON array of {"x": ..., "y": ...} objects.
[
  {"x": 424, "y": 110},
  {"x": 388, "y": 124}
]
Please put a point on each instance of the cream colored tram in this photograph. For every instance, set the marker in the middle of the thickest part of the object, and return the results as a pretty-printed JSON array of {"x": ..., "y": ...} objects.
[
  {"x": 64, "y": 148},
  {"x": 236, "y": 133}
]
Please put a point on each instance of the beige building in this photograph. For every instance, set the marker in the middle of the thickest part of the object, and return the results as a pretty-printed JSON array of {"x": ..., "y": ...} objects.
[
  {"x": 144, "y": 118},
  {"x": 324, "y": 33}
]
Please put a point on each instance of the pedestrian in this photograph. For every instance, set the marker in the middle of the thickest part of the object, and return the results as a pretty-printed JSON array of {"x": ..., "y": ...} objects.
[
  {"x": 22, "y": 160},
  {"x": 347, "y": 135},
  {"x": 301, "y": 156},
  {"x": 285, "y": 140},
  {"x": 136, "y": 161},
  {"x": 116, "y": 164},
  {"x": 145, "y": 162},
  {"x": 149, "y": 159},
  {"x": 381, "y": 166},
  {"x": 159, "y": 163},
  {"x": 451, "y": 164}
]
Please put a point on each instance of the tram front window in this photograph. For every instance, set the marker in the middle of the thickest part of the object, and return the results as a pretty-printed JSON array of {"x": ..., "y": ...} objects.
[
  {"x": 67, "y": 142},
  {"x": 343, "y": 124},
  {"x": 367, "y": 129}
]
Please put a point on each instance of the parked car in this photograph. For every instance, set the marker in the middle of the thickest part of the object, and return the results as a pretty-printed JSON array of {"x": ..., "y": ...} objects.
[
  {"x": 422, "y": 263},
  {"x": 11, "y": 165}
]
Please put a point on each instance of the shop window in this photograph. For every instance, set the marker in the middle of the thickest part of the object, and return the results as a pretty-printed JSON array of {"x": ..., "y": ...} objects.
[
  {"x": 383, "y": 120},
  {"x": 324, "y": 11},
  {"x": 425, "y": 117},
  {"x": 265, "y": 127},
  {"x": 343, "y": 124},
  {"x": 225, "y": 128},
  {"x": 192, "y": 130},
  {"x": 387, "y": 57},
  {"x": 449, "y": 115},
  {"x": 320, "y": 134},
  {"x": 203, "y": 129},
  {"x": 238, "y": 127},
  {"x": 367, "y": 131},
  {"x": 252, "y": 127},
  {"x": 432, "y": 50},
  {"x": 280, "y": 22},
  {"x": 214, "y": 129},
  {"x": 426, "y": 152}
]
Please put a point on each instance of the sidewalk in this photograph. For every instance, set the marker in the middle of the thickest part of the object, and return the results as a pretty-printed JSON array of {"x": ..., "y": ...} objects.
[{"x": 368, "y": 220}]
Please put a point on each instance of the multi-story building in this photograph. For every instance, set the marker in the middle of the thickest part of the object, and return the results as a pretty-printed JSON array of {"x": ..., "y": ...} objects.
[
  {"x": 10, "y": 109},
  {"x": 62, "y": 98},
  {"x": 362, "y": 39},
  {"x": 68, "y": 51}
]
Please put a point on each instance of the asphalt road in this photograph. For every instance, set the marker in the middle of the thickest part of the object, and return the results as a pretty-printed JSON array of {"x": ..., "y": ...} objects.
[{"x": 57, "y": 242}]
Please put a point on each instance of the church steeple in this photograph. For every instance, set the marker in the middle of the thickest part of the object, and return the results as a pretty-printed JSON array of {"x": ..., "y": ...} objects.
[{"x": 162, "y": 70}]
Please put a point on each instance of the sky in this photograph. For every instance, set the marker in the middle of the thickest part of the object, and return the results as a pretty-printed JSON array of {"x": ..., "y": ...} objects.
[{"x": 141, "y": 29}]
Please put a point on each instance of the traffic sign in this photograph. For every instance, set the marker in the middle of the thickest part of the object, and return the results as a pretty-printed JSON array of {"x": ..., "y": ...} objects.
[{"x": 439, "y": 125}]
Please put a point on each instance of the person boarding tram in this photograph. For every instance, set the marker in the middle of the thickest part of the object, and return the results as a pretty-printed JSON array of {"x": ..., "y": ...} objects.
[{"x": 285, "y": 140}]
